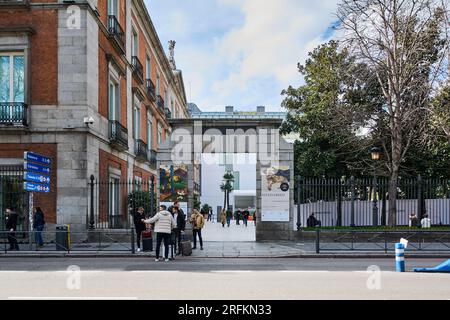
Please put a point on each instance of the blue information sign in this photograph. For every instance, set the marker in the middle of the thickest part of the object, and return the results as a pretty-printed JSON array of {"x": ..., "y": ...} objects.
[
  {"x": 36, "y": 177},
  {"x": 28, "y": 166},
  {"x": 34, "y": 187},
  {"x": 34, "y": 157}
]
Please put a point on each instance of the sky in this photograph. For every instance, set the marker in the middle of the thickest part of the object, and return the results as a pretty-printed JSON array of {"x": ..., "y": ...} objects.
[{"x": 241, "y": 53}]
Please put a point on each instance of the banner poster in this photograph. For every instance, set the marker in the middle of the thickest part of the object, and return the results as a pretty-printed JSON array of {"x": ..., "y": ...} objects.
[
  {"x": 275, "y": 195},
  {"x": 173, "y": 183}
]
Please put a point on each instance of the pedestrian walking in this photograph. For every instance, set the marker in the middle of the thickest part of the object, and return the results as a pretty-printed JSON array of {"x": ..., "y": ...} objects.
[
  {"x": 254, "y": 217},
  {"x": 198, "y": 222},
  {"x": 425, "y": 222},
  {"x": 38, "y": 226},
  {"x": 223, "y": 218},
  {"x": 229, "y": 217},
  {"x": 238, "y": 216},
  {"x": 210, "y": 214},
  {"x": 313, "y": 222},
  {"x": 11, "y": 226},
  {"x": 139, "y": 226},
  {"x": 164, "y": 224},
  {"x": 180, "y": 220},
  {"x": 245, "y": 215}
]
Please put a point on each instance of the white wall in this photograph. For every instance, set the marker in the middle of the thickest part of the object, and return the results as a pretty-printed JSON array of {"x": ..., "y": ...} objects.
[{"x": 212, "y": 176}]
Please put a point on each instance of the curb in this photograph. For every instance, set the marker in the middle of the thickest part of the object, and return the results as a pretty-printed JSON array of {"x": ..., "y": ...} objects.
[{"x": 292, "y": 256}]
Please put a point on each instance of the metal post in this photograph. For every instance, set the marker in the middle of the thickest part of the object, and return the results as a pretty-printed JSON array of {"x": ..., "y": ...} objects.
[
  {"x": 298, "y": 203},
  {"x": 133, "y": 248},
  {"x": 152, "y": 196},
  {"x": 317, "y": 240},
  {"x": 419, "y": 198},
  {"x": 352, "y": 207},
  {"x": 91, "y": 220},
  {"x": 30, "y": 220},
  {"x": 375, "y": 204}
]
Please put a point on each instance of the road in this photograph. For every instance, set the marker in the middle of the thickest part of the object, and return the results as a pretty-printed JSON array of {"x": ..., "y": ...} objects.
[{"x": 189, "y": 278}]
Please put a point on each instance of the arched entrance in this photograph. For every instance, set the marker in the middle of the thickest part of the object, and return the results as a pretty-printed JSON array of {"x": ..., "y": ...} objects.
[{"x": 251, "y": 134}]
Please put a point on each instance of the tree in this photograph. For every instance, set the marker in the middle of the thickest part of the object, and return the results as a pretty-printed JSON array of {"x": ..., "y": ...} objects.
[
  {"x": 405, "y": 44},
  {"x": 227, "y": 187},
  {"x": 332, "y": 112}
]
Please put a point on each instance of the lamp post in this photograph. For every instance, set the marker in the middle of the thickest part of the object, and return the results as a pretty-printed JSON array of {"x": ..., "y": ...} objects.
[{"x": 375, "y": 153}]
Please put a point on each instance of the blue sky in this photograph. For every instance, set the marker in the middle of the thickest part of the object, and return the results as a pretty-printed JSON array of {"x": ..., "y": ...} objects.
[{"x": 241, "y": 52}]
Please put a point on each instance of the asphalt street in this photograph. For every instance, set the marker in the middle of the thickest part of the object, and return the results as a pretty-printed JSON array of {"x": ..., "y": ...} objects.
[{"x": 218, "y": 279}]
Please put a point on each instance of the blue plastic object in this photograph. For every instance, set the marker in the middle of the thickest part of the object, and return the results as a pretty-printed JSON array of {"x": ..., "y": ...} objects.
[{"x": 443, "y": 267}]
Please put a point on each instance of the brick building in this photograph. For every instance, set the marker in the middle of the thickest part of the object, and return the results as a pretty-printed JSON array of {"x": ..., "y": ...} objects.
[{"x": 88, "y": 84}]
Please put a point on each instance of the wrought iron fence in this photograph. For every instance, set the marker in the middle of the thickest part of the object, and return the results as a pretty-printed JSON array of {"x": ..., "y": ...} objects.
[
  {"x": 365, "y": 202},
  {"x": 112, "y": 203}
]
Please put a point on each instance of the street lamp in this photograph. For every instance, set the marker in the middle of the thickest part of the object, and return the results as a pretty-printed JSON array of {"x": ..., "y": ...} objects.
[{"x": 376, "y": 154}]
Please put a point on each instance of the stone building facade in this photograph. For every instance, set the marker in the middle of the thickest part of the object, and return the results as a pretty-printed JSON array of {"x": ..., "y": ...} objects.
[{"x": 88, "y": 84}]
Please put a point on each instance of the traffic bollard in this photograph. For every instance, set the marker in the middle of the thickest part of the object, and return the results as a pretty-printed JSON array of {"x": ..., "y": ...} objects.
[{"x": 400, "y": 257}]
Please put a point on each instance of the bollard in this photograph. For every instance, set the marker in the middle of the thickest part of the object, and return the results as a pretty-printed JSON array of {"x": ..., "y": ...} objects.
[{"x": 400, "y": 257}]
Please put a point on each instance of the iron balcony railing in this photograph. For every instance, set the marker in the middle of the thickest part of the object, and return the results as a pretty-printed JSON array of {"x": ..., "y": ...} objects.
[
  {"x": 14, "y": 3},
  {"x": 138, "y": 69},
  {"x": 151, "y": 90},
  {"x": 116, "y": 31},
  {"x": 118, "y": 135},
  {"x": 13, "y": 113},
  {"x": 152, "y": 158},
  {"x": 160, "y": 102},
  {"x": 168, "y": 113},
  {"x": 141, "y": 150}
]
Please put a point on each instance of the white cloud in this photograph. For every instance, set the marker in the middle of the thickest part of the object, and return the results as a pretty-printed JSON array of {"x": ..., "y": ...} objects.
[{"x": 250, "y": 57}]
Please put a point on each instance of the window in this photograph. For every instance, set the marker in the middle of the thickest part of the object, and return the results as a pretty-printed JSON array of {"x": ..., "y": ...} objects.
[
  {"x": 166, "y": 99},
  {"x": 158, "y": 83},
  {"x": 172, "y": 109},
  {"x": 148, "y": 67},
  {"x": 113, "y": 8},
  {"x": 159, "y": 133},
  {"x": 12, "y": 77},
  {"x": 114, "y": 202},
  {"x": 236, "y": 183},
  {"x": 114, "y": 99},
  {"x": 137, "y": 119},
  {"x": 134, "y": 44},
  {"x": 149, "y": 132}
]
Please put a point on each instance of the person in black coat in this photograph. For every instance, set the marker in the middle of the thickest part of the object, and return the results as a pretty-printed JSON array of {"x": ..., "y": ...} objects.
[
  {"x": 180, "y": 220},
  {"x": 139, "y": 226},
  {"x": 38, "y": 226},
  {"x": 11, "y": 226}
]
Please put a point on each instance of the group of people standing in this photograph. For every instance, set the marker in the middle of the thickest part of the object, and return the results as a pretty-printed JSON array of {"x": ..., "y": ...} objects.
[
  {"x": 11, "y": 219},
  {"x": 169, "y": 224},
  {"x": 227, "y": 216}
]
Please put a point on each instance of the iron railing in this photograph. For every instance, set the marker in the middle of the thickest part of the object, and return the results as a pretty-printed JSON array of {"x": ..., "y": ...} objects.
[
  {"x": 160, "y": 102},
  {"x": 351, "y": 202},
  {"x": 141, "y": 151},
  {"x": 168, "y": 113},
  {"x": 116, "y": 31},
  {"x": 118, "y": 135},
  {"x": 87, "y": 241},
  {"x": 13, "y": 113},
  {"x": 151, "y": 90},
  {"x": 111, "y": 204},
  {"x": 354, "y": 240},
  {"x": 12, "y": 195},
  {"x": 138, "y": 69}
]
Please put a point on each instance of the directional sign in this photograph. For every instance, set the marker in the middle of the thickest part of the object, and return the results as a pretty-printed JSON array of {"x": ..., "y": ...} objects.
[
  {"x": 34, "y": 187},
  {"x": 28, "y": 166},
  {"x": 34, "y": 157},
  {"x": 36, "y": 177}
]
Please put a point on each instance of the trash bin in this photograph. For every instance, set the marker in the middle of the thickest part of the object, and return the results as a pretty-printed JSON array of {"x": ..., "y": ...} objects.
[{"x": 62, "y": 238}]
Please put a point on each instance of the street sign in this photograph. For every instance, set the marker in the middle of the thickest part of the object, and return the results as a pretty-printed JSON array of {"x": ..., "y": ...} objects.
[
  {"x": 37, "y": 158},
  {"x": 28, "y": 166},
  {"x": 36, "y": 177},
  {"x": 34, "y": 187}
]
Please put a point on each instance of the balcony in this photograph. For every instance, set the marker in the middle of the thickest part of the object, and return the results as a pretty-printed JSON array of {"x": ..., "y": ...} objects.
[
  {"x": 141, "y": 151},
  {"x": 13, "y": 114},
  {"x": 13, "y": 4},
  {"x": 168, "y": 113},
  {"x": 118, "y": 135},
  {"x": 116, "y": 32},
  {"x": 151, "y": 90},
  {"x": 160, "y": 102},
  {"x": 152, "y": 158},
  {"x": 138, "y": 69}
]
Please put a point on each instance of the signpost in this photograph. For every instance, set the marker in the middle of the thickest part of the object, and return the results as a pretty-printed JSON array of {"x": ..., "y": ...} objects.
[{"x": 36, "y": 179}]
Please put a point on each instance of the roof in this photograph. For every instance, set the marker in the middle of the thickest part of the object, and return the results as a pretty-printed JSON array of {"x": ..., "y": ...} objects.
[{"x": 239, "y": 115}]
